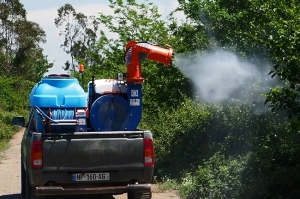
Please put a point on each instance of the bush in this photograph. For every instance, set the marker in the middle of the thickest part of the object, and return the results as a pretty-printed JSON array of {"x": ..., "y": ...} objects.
[
  {"x": 178, "y": 135},
  {"x": 218, "y": 178},
  {"x": 7, "y": 129},
  {"x": 225, "y": 151},
  {"x": 195, "y": 131},
  {"x": 14, "y": 99},
  {"x": 14, "y": 94}
]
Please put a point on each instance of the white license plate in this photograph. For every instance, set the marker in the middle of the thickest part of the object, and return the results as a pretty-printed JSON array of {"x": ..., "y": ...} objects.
[{"x": 90, "y": 176}]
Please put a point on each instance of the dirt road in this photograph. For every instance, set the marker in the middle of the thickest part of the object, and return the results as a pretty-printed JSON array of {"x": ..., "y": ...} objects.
[{"x": 10, "y": 174}]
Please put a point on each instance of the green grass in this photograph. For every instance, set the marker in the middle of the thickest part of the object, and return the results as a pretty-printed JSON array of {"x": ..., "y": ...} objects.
[
  {"x": 166, "y": 184},
  {"x": 3, "y": 145},
  {"x": 7, "y": 130}
]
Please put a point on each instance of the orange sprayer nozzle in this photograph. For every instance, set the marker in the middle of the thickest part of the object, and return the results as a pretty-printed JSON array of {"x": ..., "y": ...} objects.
[
  {"x": 136, "y": 51},
  {"x": 161, "y": 55}
]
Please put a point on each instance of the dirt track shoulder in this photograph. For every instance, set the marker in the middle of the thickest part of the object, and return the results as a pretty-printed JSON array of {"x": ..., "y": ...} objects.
[{"x": 10, "y": 166}]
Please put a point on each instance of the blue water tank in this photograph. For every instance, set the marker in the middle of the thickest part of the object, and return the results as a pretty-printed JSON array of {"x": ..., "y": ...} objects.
[{"x": 56, "y": 92}]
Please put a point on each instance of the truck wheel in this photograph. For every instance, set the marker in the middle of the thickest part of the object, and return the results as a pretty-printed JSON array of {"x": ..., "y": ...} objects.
[
  {"x": 23, "y": 182},
  {"x": 139, "y": 195},
  {"x": 29, "y": 189},
  {"x": 107, "y": 197}
]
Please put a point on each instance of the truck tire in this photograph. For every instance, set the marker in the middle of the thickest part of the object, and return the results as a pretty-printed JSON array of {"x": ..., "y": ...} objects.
[
  {"x": 29, "y": 189},
  {"x": 23, "y": 182},
  {"x": 139, "y": 195},
  {"x": 107, "y": 197}
]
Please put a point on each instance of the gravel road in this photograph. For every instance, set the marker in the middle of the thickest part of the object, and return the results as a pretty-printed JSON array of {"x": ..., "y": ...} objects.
[{"x": 10, "y": 174}]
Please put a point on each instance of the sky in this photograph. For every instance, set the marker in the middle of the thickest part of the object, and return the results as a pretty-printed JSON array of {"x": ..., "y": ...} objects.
[{"x": 44, "y": 13}]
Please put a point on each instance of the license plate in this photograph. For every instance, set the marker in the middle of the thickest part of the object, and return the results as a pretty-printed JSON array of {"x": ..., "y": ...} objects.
[{"x": 90, "y": 176}]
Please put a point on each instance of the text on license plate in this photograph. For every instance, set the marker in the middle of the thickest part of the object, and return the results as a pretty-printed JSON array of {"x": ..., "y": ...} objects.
[{"x": 90, "y": 176}]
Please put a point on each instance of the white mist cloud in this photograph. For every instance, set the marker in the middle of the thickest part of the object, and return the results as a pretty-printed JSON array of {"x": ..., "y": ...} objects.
[{"x": 222, "y": 76}]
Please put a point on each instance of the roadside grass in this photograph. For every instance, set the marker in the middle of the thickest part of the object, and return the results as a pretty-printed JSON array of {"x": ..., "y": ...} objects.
[
  {"x": 166, "y": 184},
  {"x": 7, "y": 130},
  {"x": 3, "y": 145}
]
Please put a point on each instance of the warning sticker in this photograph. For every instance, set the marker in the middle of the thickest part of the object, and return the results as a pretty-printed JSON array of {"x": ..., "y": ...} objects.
[
  {"x": 134, "y": 93},
  {"x": 134, "y": 102}
]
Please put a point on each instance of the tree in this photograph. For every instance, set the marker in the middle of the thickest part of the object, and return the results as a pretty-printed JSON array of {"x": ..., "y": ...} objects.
[
  {"x": 20, "y": 42},
  {"x": 259, "y": 30},
  {"x": 80, "y": 34},
  {"x": 130, "y": 21},
  {"x": 142, "y": 22}
]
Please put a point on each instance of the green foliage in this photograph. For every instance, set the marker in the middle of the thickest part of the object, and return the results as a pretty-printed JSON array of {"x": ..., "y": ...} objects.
[
  {"x": 140, "y": 22},
  {"x": 174, "y": 129},
  {"x": 164, "y": 88},
  {"x": 130, "y": 21},
  {"x": 20, "y": 43},
  {"x": 214, "y": 150},
  {"x": 134, "y": 21},
  {"x": 6, "y": 130},
  {"x": 260, "y": 31},
  {"x": 273, "y": 166},
  {"x": 14, "y": 96},
  {"x": 22, "y": 63},
  {"x": 218, "y": 178},
  {"x": 257, "y": 29},
  {"x": 80, "y": 34},
  {"x": 268, "y": 170},
  {"x": 14, "y": 93},
  {"x": 167, "y": 184}
]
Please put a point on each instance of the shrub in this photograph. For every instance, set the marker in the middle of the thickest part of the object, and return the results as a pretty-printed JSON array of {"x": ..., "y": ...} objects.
[
  {"x": 6, "y": 130},
  {"x": 195, "y": 131},
  {"x": 218, "y": 178},
  {"x": 14, "y": 98},
  {"x": 14, "y": 94}
]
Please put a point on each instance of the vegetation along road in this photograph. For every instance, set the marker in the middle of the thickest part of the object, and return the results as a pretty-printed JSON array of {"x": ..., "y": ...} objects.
[{"x": 10, "y": 174}]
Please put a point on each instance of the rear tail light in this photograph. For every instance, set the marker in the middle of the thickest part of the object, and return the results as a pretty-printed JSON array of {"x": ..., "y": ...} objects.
[
  {"x": 148, "y": 152},
  {"x": 36, "y": 156}
]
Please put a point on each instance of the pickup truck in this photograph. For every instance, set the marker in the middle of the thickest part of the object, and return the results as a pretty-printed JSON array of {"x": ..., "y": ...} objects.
[
  {"x": 79, "y": 163},
  {"x": 78, "y": 143}
]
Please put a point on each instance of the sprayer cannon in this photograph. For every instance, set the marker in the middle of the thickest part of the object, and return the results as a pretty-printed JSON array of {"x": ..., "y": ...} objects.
[{"x": 136, "y": 51}]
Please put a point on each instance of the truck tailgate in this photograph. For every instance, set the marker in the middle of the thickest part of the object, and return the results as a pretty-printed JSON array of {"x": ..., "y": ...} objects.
[{"x": 93, "y": 151}]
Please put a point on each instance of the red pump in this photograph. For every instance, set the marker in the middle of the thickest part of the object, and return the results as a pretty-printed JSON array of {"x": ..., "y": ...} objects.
[{"x": 136, "y": 51}]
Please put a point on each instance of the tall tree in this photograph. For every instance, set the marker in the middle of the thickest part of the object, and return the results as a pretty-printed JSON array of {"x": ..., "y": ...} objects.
[
  {"x": 20, "y": 42},
  {"x": 80, "y": 34}
]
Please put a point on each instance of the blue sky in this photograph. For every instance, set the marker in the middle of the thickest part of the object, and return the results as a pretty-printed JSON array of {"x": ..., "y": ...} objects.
[{"x": 44, "y": 13}]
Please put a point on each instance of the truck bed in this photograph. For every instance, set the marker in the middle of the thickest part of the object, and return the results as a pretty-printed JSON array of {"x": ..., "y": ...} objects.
[
  {"x": 93, "y": 151},
  {"x": 91, "y": 159}
]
